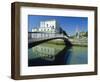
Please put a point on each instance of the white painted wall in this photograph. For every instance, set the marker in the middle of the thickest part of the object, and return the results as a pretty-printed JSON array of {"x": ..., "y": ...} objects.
[
  {"x": 49, "y": 26},
  {"x": 5, "y": 41},
  {"x": 48, "y": 23}
]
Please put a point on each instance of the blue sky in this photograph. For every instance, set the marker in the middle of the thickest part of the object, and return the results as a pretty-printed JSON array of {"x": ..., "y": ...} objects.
[{"x": 69, "y": 24}]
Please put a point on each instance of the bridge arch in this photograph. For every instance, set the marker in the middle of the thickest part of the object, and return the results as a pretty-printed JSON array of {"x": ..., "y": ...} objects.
[{"x": 34, "y": 43}]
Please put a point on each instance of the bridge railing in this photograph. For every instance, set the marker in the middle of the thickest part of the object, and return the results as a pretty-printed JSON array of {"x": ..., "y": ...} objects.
[{"x": 43, "y": 36}]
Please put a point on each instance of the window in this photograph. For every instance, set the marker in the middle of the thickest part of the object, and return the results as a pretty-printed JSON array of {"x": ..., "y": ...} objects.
[
  {"x": 53, "y": 27},
  {"x": 47, "y": 25}
]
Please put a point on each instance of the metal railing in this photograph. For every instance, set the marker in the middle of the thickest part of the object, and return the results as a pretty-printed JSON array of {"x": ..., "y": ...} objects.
[{"x": 33, "y": 37}]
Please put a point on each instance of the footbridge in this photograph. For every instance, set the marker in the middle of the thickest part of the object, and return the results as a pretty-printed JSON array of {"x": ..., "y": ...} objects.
[{"x": 37, "y": 38}]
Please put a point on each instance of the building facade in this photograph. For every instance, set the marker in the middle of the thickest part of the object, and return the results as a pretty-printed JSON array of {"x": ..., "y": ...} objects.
[{"x": 48, "y": 26}]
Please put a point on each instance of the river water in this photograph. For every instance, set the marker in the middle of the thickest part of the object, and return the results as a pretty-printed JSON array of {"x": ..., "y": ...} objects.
[{"x": 51, "y": 54}]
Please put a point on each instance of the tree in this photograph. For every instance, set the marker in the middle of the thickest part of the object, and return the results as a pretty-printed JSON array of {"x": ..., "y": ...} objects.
[{"x": 86, "y": 34}]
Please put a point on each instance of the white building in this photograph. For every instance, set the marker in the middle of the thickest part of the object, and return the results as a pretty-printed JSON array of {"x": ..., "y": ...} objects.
[{"x": 48, "y": 26}]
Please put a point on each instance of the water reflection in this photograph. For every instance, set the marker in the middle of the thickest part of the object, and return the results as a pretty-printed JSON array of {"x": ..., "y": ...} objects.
[
  {"x": 52, "y": 54},
  {"x": 76, "y": 55}
]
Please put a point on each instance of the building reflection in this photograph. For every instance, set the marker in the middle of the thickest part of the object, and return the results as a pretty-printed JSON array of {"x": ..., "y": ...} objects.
[{"x": 45, "y": 51}]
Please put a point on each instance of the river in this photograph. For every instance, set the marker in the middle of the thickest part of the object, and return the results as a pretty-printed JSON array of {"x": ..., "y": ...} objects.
[{"x": 52, "y": 54}]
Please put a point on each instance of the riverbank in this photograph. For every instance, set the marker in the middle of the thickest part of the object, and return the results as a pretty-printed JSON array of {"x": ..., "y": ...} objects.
[
  {"x": 80, "y": 45},
  {"x": 61, "y": 42}
]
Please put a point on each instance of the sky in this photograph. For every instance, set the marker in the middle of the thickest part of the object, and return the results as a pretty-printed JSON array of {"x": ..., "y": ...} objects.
[{"x": 67, "y": 23}]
